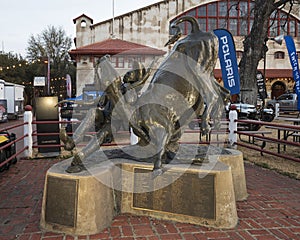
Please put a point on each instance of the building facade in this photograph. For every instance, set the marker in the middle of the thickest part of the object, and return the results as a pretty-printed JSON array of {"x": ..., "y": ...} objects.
[{"x": 149, "y": 26}]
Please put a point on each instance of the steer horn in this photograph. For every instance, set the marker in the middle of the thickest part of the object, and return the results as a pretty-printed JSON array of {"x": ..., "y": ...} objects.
[{"x": 193, "y": 21}]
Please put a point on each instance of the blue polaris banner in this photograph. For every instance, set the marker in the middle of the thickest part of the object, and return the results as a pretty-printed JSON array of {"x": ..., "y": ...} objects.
[
  {"x": 295, "y": 65},
  {"x": 227, "y": 55}
]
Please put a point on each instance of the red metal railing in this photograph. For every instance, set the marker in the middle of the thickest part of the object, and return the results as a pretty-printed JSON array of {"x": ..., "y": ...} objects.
[
  {"x": 249, "y": 144},
  {"x": 280, "y": 142},
  {"x": 8, "y": 145}
]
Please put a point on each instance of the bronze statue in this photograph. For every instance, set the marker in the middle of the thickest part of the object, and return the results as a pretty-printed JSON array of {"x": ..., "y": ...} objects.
[{"x": 182, "y": 88}]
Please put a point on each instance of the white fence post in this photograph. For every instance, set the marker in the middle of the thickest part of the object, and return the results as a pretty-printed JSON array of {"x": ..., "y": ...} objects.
[
  {"x": 28, "y": 131},
  {"x": 232, "y": 128},
  {"x": 276, "y": 110}
]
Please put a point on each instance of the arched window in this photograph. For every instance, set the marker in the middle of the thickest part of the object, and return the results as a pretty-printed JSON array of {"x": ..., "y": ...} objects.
[
  {"x": 83, "y": 24},
  {"x": 239, "y": 54},
  {"x": 237, "y": 17},
  {"x": 279, "y": 55}
]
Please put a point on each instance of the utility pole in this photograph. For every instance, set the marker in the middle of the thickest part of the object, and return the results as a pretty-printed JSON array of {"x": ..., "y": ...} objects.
[
  {"x": 2, "y": 47},
  {"x": 113, "y": 19},
  {"x": 48, "y": 75}
]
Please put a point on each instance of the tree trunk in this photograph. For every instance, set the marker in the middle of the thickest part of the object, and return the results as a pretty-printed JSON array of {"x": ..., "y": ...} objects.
[{"x": 254, "y": 50}]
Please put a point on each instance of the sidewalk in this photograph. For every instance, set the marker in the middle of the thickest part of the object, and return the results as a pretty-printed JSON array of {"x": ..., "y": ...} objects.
[{"x": 272, "y": 210}]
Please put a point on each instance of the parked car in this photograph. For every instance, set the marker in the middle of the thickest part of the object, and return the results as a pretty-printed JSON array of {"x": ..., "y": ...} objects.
[
  {"x": 249, "y": 111},
  {"x": 245, "y": 112},
  {"x": 266, "y": 114},
  {"x": 287, "y": 102}
]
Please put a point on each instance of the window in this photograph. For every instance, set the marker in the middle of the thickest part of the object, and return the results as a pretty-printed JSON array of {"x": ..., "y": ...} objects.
[
  {"x": 212, "y": 24},
  {"x": 83, "y": 24},
  {"x": 281, "y": 23},
  {"x": 192, "y": 13},
  {"x": 233, "y": 9},
  {"x": 239, "y": 54},
  {"x": 233, "y": 23},
  {"x": 279, "y": 55},
  {"x": 237, "y": 17},
  {"x": 273, "y": 32},
  {"x": 140, "y": 59},
  {"x": 117, "y": 62},
  {"x": 223, "y": 9},
  {"x": 212, "y": 10},
  {"x": 292, "y": 28}
]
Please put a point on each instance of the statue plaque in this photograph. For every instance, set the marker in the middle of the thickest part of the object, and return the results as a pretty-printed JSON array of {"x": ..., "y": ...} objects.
[
  {"x": 196, "y": 200},
  {"x": 61, "y": 205}
]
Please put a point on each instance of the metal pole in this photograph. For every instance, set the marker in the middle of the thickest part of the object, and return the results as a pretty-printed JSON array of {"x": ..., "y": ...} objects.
[
  {"x": 265, "y": 65},
  {"x": 232, "y": 137},
  {"x": 113, "y": 18}
]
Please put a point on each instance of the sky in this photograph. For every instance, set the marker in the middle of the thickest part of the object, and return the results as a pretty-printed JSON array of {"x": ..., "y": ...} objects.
[{"x": 19, "y": 19}]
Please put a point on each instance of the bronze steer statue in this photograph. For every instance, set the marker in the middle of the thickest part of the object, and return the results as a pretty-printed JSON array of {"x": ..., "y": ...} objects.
[{"x": 182, "y": 88}]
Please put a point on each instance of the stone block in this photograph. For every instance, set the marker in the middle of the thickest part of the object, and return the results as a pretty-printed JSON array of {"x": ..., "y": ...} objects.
[{"x": 85, "y": 203}]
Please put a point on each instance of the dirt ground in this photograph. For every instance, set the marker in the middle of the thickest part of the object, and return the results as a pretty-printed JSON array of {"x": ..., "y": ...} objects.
[{"x": 284, "y": 166}]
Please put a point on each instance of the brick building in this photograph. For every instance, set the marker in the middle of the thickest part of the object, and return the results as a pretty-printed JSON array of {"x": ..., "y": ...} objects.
[{"x": 149, "y": 26}]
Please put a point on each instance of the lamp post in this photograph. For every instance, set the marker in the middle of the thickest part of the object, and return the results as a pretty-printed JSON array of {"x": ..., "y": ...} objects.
[
  {"x": 48, "y": 75},
  {"x": 279, "y": 40}
]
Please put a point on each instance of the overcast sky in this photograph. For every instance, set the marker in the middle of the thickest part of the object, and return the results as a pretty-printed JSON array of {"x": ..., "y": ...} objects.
[{"x": 19, "y": 19}]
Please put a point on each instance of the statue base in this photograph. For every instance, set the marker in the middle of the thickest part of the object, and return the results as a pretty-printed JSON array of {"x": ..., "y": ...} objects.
[{"x": 85, "y": 203}]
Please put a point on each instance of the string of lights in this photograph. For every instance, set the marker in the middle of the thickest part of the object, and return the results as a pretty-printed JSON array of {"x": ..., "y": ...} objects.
[{"x": 27, "y": 63}]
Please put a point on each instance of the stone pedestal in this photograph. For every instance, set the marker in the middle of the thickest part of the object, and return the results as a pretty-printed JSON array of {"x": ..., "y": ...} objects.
[
  {"x": 77, "y": 204},
  {"x": 85, "y": 203},
  {"x": 236, "y": 162},
  {"x": 195, "y": 195}
]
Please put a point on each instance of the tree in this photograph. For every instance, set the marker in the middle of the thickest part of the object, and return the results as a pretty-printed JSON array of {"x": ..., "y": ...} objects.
[
  {"x": 15, "y": 69},
  {"x": 254, "y": 45},
  {"x": 10, "y": 69},
  {"x": 52, "y": 44}
]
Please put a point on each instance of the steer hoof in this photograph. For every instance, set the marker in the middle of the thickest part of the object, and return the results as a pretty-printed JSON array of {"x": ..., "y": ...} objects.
[
  {"x": 68, "y": 141},
  {"x": 76, "y": 165},
  {"x": 205, "y": 131},
  {"x": 75, "y": 169}
]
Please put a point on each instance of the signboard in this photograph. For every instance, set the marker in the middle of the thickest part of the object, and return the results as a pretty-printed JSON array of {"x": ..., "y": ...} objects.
[
  {"x": 69, "y": 85},
  {"x": 39, "y": 81},
  {"x": 261, "y": 85},
  {"x": 228, "y": 61},
  {"x": 295, "y": 64}
]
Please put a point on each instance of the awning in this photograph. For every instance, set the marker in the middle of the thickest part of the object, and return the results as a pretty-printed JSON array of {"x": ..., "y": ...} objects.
[{"x": 270, "y": 73}]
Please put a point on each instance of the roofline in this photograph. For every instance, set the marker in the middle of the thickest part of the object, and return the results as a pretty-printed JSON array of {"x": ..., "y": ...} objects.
[
  {"x": 83, "y": 15},
  {"x": 128, "y": 13},
  {"x": 114, "y": 52}
]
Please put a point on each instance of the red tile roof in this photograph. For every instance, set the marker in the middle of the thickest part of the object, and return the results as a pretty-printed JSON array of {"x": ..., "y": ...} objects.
[{"x": 115, "y": 46}]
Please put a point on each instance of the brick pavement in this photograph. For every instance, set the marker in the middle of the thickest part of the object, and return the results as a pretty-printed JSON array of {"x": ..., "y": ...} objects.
[{"x": 272, "y": 210}]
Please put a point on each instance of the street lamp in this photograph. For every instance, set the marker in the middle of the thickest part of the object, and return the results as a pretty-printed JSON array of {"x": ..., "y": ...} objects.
[{"x": 278, "y": 39}]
